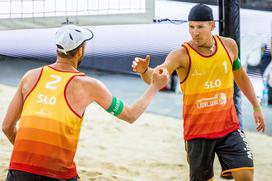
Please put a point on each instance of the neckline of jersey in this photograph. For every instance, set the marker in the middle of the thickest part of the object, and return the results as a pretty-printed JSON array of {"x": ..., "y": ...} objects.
[{"x": 206, "y": 56}]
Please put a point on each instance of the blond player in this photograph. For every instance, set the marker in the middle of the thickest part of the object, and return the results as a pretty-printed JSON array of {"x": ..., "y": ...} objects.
[{"x": 207, "y": 67}]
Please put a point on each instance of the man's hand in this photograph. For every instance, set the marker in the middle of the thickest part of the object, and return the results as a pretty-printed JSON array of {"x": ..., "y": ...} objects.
[
  {"x": 160, "y": 78},
  {"x": 259, "y": 119},
  {"x": 140, "y": 65}
]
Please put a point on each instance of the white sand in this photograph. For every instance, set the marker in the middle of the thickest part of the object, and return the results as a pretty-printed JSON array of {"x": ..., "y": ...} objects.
[{"x": 151, "y": 149}]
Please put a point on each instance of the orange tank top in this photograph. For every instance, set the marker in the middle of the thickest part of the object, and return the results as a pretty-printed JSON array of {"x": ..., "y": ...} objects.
[
  {"x": 49, "y": 129},
  {"x": 208, "y": 107}
]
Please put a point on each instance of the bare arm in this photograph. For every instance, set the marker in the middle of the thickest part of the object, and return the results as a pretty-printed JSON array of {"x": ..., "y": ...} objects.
[
  {"x": 13, "y": 114},
  {"x": 103, "y": 97},
  {"x": 141, "y": 66},
  {"x": 133, "y": 112},
  {"x": 16, "y": 105},
  {"x": 241, "y": 77},
  {"x": 242, "y": 80},
  {"x": 147, "y": 75},
  {"x": 171, "y": 63}
]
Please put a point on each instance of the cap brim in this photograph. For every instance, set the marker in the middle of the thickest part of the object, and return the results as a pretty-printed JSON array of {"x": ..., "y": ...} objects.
[{"x": 88, "y": 34}]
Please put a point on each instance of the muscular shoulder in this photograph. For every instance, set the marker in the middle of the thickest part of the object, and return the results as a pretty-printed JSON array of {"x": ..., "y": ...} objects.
[
  {"x": 84, "y": 81},
  {"x": 178, "y": 57},
  {"x": 29, "y": 80},
  {"x": 32, "y": 74},
  {"x": 80, "y": 85},
  {"x": 86, "y": 89},
  {"x": 228, "y": 41},
  {"x": 231, "y": 46},
  {"x": 85, "y": 85},
  {"x": 178, "y": 52}
]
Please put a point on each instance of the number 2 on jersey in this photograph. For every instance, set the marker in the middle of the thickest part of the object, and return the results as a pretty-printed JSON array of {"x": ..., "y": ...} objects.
[{"x": 52, "y": 84}]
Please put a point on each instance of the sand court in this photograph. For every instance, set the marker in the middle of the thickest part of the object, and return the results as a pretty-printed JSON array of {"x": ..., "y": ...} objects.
[{"x": 150, "y": 149}]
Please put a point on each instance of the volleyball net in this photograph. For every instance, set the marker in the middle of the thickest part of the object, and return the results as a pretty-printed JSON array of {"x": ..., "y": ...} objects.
[{"x": 23, "y": 14}]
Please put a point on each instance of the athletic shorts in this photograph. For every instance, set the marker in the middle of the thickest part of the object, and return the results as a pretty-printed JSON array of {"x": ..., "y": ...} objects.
[
  {"x": 232, "y": 150},
  {"x": 15, "y": 175}
]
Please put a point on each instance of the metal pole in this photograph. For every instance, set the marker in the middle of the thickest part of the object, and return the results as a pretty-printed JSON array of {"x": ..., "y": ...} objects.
[
  {"x": 232, "y": 20},
  {"x": 229, "y": 11},
  {"x": 221, "y": 17}
]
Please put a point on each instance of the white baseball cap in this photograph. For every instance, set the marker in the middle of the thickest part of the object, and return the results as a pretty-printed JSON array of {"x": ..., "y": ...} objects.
[{"x": 70, "y": 37}]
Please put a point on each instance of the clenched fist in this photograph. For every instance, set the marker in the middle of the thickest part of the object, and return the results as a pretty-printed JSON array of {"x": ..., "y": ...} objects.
[{"x": 160, "y": 78}]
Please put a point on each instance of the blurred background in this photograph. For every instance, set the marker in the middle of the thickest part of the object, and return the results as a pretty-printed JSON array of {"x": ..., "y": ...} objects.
[{"x": 125, "y": 29}]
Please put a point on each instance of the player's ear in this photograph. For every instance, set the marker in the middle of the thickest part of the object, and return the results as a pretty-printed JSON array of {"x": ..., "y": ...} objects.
[
  {"x": 79, "y": 51},
  {"x": 212, "y": 23}
]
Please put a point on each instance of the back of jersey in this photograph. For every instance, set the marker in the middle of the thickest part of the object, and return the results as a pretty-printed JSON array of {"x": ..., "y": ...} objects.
[{"x": 49, "y": 129}]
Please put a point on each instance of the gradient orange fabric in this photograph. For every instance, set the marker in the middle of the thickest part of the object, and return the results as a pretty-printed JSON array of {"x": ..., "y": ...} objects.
[
  {"x": 208, "y": 107},
  {"x": 49, "y": 129}
]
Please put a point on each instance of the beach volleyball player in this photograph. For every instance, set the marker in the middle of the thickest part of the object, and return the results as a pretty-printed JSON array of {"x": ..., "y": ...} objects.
[
  {"x": 49, "y": 104},
  {"x": 207, "y": 67}
]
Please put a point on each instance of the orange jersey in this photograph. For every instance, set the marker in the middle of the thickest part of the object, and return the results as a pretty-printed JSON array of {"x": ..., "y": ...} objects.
[
  {"x": 49, "y": 129},
  {"x": 208, "y": 108}
]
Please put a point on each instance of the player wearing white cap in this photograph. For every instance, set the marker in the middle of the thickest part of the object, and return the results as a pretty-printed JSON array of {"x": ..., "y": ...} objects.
[{"x": 50, "y": 102}]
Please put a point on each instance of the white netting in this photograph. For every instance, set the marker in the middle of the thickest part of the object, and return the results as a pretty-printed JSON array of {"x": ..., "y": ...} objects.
[
  {"x": 47, "y": 8},
  {"x": 42, "y": 11}
]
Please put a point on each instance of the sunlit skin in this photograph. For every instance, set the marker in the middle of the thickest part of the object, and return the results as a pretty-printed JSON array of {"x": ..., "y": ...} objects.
[
  {"x": 82, "y": 54},
  {"x": 201, "y": 33},
  {"x": 203, "y": 42}
]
